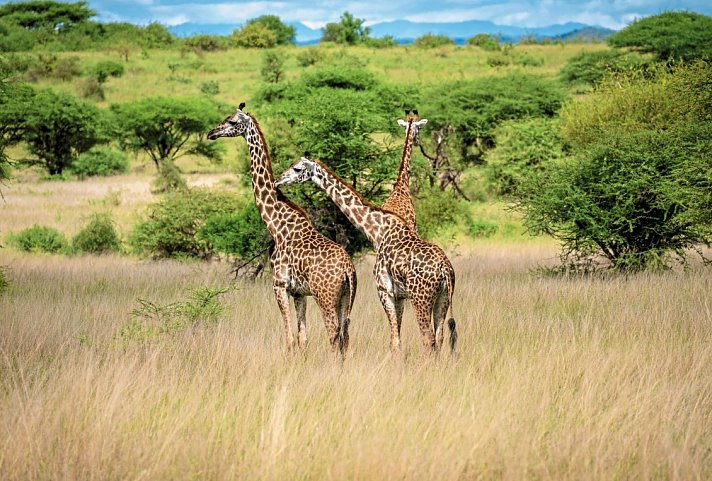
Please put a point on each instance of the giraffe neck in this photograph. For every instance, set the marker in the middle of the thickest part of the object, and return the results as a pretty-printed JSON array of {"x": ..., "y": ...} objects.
[
  {"x": 373, "y": 222},
  {"x": 262, "y": 177},
  {"x": 403, "y": 179}
]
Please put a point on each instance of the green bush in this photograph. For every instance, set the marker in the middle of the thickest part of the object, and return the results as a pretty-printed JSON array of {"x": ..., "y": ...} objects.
[
  {"x": 430, "y": 40},
  {"x": 105, "y": 69},
  {"x": 211, "y": 87},
  {"x": 39, "y": 238},
  {"x": 439, "y": 209},
  {"x": 387, "y": 41},
  {"x": 637, "y": 189},
  {"x": 240, "y": 233},
  {"x": 481, "y": 229},
  {"x": 172, "y": 224},
  {"x": 272, "y": 69},
  {"x": 593, "y": 67},
  {"x": 309, "y": 56},
  {"x": 4, "y": 284},
  {"x": 206, "y": 43},
  {"x": 100, "y": 161},
  {"x": 97, "y": 237},
  {"x": 669, "y": 35},
  {"x": 521, "y": 148},
  {"x": 340, "y": 74},
  {"x": 485, "y": 42}
]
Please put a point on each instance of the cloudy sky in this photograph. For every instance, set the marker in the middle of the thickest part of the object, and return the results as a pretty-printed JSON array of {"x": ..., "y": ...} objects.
[{"x": 315, "y": 13}]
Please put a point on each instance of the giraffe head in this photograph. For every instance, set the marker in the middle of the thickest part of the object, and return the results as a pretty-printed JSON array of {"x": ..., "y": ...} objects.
[
  {"x": 234, "y": 125},
  {"x": 414, "y": 120},
  {"x": 301, "y": 171}
]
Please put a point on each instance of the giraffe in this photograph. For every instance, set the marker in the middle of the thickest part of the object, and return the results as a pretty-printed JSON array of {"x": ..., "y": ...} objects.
[
  {"x": 406, "y": 266},
  {"x": 400, "y": 201},
  {"x": 304, "y": 262}
]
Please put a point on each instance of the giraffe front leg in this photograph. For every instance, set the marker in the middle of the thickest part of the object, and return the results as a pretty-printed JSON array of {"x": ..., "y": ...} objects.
[
  {"x": 442, "y": 304},
  {"x": 300, "y": 306},
  {"x": 280, "y": 292}
]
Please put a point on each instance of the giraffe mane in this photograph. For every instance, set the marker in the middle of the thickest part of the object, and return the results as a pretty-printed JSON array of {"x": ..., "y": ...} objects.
[
  {"x": 356, "y": 194},
  {"x": 280, "y": 196}
]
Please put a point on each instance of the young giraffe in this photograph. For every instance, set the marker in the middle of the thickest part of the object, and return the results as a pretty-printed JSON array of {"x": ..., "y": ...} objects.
[
  {"x": 304, "y": 262},
  {"x": 406, "y": 266},
  {"x": 400, "y": 201}
]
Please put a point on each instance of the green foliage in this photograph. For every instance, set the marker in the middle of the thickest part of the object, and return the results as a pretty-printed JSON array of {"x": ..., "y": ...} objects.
[
  {"x": 151, "y": 320},
  {"x": 592, "y": 67},
  {"x": 344, "y": 73},
  {"x": 474, "y": 108},
  {"x": 522, "y": 147},
  {"x": 49, "y": 16},
  {"x": 481, "y": 229},
  {"x": 91, "y": 88},
  {"x": 282, "y": 33},
  {"x": 211, "y": 87},
  {"x": 349, "y": 30},
  {"x": 639, "y": 184},
  {"x": 38, "y": 238},
  {"x": 387, "y": 41},
  {"x": 105, "y": 69},
  {"x": 99, "y": 236},
  {"x": 309, "y": 56},
  {"x": 100, "y": 160},
  {"x": 15, "y": 100},
  {"x": 166, "y": 128},
  {"x": 343, "y": 115},
  {"x": 676, "y": 35},
  {"x": 254, "y": 35},
  {"x": 240, "y": 233},
  {"x": 485, "y": 42},
  {"x": 206, "y": 43},
  {"x": 272, "y": 66},
  {"x": 168, "y": 179},
  {"x": 172, "y": 224},
  {"x": 430, "y": 40},
  {"x": 4, "y": 284},
  {"x": 50, "y": 66},
  {"x": 58, "y": 128},
  {"x": 438, "y": 209}
]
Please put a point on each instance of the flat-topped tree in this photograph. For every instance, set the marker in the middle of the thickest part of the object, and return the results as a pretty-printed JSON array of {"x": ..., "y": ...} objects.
[
  {"x": 304, "y": 262},
  {"x": 407, "y": 267}
]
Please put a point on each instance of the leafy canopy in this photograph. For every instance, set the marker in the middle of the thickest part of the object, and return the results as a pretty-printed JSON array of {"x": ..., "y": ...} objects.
[
  {"x": 166, "y": 128},
  {"x": 349, "y": 30},
  {"x": 677, "y": 35}
]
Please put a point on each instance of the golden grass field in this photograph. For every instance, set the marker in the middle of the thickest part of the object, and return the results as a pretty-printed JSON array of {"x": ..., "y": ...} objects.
[{"x": 580, "y": 379}]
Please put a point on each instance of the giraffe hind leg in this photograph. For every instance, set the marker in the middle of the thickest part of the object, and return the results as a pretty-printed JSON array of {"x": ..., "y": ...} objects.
[
  {"x": 280, "y": 293},
  {"x": 300, "y": 306},
  {"x": 440, "y": 308}
]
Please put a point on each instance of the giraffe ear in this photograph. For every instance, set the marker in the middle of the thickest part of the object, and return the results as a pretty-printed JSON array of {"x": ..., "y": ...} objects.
[
  {"x": 421, "y": 122},
  {"x": 402, "y": 123}
]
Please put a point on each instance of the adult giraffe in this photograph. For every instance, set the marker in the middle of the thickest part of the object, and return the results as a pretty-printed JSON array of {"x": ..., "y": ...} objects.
[
  {"x": 400, "y": 201},
  {"x": 406, "y": 266},
  {"x": 304, "y": 262}
]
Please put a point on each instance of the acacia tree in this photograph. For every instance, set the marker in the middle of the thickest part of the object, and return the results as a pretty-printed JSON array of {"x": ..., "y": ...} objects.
[
  {"x": 638, "y": 184},
  {"x": 58, "y": 128},
  {"x": 349, "y": 30},
  {"x": 677, "y": 35},
  {"x": 167, "y": 128}
]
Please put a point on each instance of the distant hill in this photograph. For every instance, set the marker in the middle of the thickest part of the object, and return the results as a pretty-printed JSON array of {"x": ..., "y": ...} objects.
[{"x": 405, "y": 31}]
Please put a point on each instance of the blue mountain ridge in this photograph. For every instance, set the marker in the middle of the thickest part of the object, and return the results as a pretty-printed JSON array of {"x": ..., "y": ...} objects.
[{"x": 405, "y": 31}]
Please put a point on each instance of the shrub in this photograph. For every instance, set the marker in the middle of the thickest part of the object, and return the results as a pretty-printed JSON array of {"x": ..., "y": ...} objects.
[
  {"x": 211, "y": 87},
  {"x": 521, "y": 148},
  {"x": 39, "y": 238},
  {"x": 432, "y": 41},
  {"x": 340, "y": 74},
  {"x": 91, "y": 88},
  {"x": 105, "y": 69},
  {"x": 677, "y": 35},
  {"x": 97, "y": 237},
  {"x": 100, "y": 161},
  {"x": 50, "y": 66},
  {"x": 4, "y": 284},
  {"x": 480, "y": 229},
  {"x": 272, "y": 66},
  {"x": 592, "y": 67},
  {"x": 168, "y": 179},
  {"x": 254, "y": 35},
  {"x": 206, "y": 43},
  {"x": 171, "y": 227},
  {"x": 387, "y": 41},
  {"x": 240, "y": 233},
  {"x": 638, "y": 186},
  {"x": 309, "y": 56},
  {"x": 485, "y": 42},
  {"x": 437, "y": 209}
]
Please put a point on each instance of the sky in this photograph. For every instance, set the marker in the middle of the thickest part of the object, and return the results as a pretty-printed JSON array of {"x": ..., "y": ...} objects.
[{"x": 613, "y": 14}]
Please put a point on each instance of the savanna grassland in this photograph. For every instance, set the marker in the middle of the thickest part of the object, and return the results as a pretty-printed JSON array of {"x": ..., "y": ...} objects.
[{"x": 581, "y": 378}]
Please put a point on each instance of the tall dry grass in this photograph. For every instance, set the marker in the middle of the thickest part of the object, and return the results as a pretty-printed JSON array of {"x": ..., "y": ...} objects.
[{"x": 557, "y": 379}]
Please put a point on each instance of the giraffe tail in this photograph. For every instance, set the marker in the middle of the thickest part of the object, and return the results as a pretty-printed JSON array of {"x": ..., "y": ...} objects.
[
  {"x": 451, "y": 324},
  {"x": 348, "y": 296}
]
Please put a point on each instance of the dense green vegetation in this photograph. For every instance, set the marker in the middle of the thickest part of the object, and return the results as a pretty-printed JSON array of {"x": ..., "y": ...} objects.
[{"x": 567, "y": 132}]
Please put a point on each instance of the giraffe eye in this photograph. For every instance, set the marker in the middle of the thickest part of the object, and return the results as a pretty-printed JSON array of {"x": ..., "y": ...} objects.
[{"x": 232, "y": 122}]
